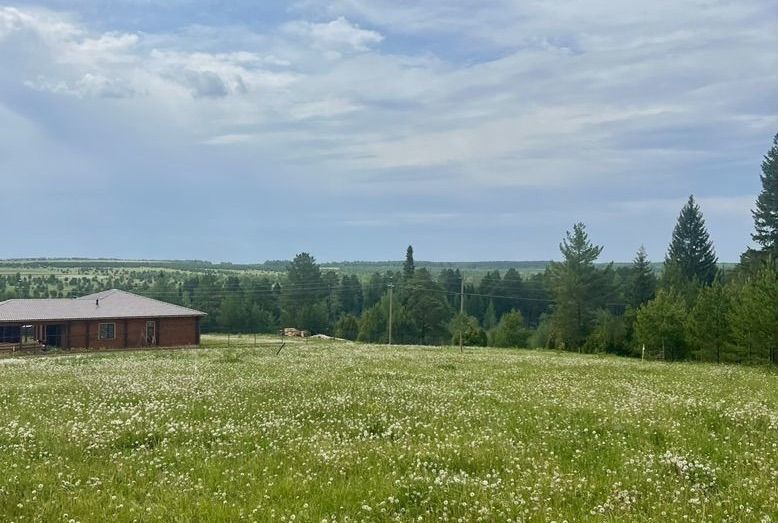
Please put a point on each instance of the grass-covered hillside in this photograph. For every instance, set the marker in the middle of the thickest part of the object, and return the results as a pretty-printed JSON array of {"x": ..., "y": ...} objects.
[{"x": 329, "y": 431}]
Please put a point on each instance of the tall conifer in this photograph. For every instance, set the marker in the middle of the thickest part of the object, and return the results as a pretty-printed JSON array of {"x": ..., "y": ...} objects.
[
  {"x": 578, "y": 287},
  {"x": 642, "y": 282},
  {"x": 766, "y": 211},
  {"x": 691, "y": 255},
  {"x": 409, "y": 267}
]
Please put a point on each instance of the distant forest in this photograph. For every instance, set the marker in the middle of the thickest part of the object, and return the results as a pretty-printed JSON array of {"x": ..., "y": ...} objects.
[
  {"x": 687, "y": 307},
  {"x": 346, "y": 267}
]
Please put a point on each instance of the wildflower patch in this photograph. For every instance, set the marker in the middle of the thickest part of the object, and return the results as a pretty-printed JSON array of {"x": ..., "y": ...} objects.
[{"x": 342, "y": 432}]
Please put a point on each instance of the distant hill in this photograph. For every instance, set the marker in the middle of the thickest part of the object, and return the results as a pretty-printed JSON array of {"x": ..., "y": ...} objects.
[
  {"x": 361, "y": 267},
  {"x": 347, "y": 267}
]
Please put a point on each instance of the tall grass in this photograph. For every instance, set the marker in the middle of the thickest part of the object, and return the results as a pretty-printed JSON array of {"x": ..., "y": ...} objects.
[{"x": 348, "y": 432}]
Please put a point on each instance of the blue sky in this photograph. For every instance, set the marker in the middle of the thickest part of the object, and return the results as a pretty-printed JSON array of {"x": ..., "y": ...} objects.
[{"x": 244, "y": 131}]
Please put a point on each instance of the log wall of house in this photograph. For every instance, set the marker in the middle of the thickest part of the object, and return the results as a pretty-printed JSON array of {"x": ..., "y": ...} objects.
[
  {"x": 170, "y": 332},
  {"x": 128, "y": 333}
]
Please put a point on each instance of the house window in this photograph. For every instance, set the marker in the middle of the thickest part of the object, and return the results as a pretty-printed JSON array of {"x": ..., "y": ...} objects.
[{"x": 107, "y": 331}]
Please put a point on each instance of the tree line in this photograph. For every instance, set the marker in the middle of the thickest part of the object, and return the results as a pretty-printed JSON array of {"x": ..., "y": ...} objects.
[
  {"x": 690, "y": 309},
  {"x": 693, "y": 310}
]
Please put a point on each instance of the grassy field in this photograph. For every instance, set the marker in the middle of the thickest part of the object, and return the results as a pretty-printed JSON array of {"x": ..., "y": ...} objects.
[{"x": 331, "y": 431}]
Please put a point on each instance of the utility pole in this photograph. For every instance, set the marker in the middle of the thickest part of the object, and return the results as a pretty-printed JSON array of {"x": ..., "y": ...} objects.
[
  {"x": 391, "y": 302},
  {"x": 462, "y": 313}
]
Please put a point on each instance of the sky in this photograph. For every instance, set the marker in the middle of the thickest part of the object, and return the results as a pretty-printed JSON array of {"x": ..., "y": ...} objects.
[{"x": 474, "y": 130}]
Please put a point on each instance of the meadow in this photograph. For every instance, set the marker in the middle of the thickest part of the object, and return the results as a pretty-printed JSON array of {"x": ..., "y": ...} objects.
[{"x": 335, "y": 431}]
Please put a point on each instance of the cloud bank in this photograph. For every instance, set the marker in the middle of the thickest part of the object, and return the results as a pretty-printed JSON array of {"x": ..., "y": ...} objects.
[{"x": 560, "y": 109}]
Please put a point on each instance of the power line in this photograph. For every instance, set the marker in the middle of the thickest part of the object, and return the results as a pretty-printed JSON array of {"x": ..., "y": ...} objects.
[
  {"x": 225, "y": 293},
  {"x": 277, "y": 288}
]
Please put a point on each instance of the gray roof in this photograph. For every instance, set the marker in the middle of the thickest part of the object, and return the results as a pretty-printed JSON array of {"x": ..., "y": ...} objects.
[{"x": 112, "y": 304}]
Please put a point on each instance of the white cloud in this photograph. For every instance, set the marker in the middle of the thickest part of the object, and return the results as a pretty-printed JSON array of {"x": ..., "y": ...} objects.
[
  {"x": 229, "y": 139},
  {"x": 323, "y": 108},
  {"x": 50, "y": 26},
  {"x": 336, "y": 34},
  {"x": 562, "y": 94},
  {"x": 117, "y": 64},
  {"x": 218, "y": 74},
  {"x": 88, "y": 86},
  {"x": 450, "y": 103}
]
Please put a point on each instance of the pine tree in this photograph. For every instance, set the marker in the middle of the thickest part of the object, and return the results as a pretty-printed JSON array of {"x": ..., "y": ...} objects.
[
  {"x": 510, "y": 332},
  {"x": 450, "y": 280},
  {"x": 488, "y": 286},
  {"x": 766, "y": 212},
  {"x": 578, "y": 287},
  {"x": 233, "y": 314},
  {"x": 304, "y": 281},
  {"x": 660, "y": 325},
  {"x": 409, "y": 267},
  {"x": 426, "y": 305},
  {"x": 467, "y": 326},
  {"x": 608, "y": 335},
  {"x": 691, "y": 255},
  {"x": 754, "y": 315},
  {"x": 373, "y": 325},
  {"x": 642, "y": 281},
  {"x": 347, "y": 327},
  {"x": 350, "y": 295},
  {"x": 708, "y": 327},
  {"x": 260, "y": 320},
  {"x": 302, "y": 296},
  {"x": 510, "y": 291}
]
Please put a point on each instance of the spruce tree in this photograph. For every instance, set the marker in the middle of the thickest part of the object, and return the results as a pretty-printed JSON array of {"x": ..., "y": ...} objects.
[
  {"x": 691, "y": 255},
  {"x": 766, "y": 212},
  {"x": 642, "y": 281},
  {"x": 409, "y": 267}
]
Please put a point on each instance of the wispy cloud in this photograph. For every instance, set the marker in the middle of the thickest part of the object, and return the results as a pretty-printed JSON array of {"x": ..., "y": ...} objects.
[{"x": 736, "y": 205}]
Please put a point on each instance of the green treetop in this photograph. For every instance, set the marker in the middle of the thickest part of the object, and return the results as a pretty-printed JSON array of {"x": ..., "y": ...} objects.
[
  {"x": 409, "y": 267},
  {"x": 691, "y": 255},
  {"x": 642, "y": 280},
  {"x": 578, "y": 287},
  {"x": 766, "y": 211}
]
